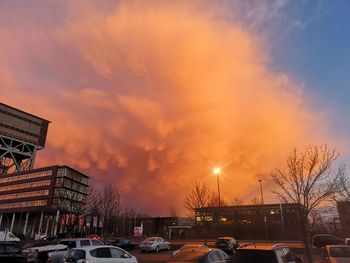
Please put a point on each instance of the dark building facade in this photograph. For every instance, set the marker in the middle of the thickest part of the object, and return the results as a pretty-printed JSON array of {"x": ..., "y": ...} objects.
[
  {"x": 268, "y": 221},
  {"x": 344, "y": 217},
  {"x": 42, "y": 200}
]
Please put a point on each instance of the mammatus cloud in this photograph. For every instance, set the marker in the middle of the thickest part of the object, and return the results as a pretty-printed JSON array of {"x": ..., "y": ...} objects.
[{"x": 149, "y": 95}]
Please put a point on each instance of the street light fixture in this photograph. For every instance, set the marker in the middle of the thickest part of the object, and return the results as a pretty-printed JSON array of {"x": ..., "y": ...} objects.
[
  {"x": 217, "y": 172},
  {"x": 263, "y": 207}
]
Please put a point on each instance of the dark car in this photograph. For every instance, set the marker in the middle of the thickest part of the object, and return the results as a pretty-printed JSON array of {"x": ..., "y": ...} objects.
[
  {"x": 11, "y": 253},
  {"x": 227, "y": 244},
  {"x": 200, "y": 255},
  {"x": 123, "y": 243},
  {"x": 322, "y": 240}
]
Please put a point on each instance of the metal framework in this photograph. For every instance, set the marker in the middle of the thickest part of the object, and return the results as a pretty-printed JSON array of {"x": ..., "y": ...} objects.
[{"x": 16, "y": 155}]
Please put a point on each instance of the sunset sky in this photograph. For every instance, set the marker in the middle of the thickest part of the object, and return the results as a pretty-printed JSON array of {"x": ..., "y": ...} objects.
[{"x": 150, "y": 95}]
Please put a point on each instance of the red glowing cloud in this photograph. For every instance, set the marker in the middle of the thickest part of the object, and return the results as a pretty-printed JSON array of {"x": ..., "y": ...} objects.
[{"x": 150, "y": 96}]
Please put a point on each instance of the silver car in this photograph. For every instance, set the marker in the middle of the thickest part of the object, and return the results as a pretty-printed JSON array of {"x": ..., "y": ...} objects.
[{"x": 154, "y": 244}]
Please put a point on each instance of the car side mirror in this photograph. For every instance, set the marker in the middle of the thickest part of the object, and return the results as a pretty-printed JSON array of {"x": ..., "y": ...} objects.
[{"x": 125, "y": 255}]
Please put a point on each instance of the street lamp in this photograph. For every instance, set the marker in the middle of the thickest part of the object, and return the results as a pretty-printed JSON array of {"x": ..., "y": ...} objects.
[
  {"x": 263, "y": 207},
  {"x": 217, "y": 172}
]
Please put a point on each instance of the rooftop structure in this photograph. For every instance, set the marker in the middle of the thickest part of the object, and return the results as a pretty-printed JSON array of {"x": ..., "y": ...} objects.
[{"x": 21, "y": 135}]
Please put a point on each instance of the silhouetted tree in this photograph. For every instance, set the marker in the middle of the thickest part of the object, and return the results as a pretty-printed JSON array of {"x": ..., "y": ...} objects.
[
  {"x": 308, "y": 180},
  {"x": 109, "y": 201}
]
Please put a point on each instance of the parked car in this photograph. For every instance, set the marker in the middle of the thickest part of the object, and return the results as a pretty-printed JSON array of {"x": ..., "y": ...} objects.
[
  {"x": 7, "y": 236},
  {"x": 189, "y": 246},
  {"x": 38, "y": 251},
  {"x": 58, "y": 256},
  {"x": 201, "y": 255},
  {"x": 154, "y": 244},
  {"x": 99, "y": 254},
  {"x": 227, "y": 244},
  {"x": 322, "y": 240},
  {"x": 123, "y": 243},
  {"x": 347, "y": 241},
  {"x": 336, "y": 254},
  {"x": 11, "y": 253},
  {"x": 274, "y": 253}
]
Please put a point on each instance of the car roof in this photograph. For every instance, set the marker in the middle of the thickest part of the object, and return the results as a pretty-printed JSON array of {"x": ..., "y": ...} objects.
[
  {"x": 88, "y": 248},
  {"x": 332, "y": 246},
  {"x": 251, "y": 246},
  {"x": 79, "y": 238}
]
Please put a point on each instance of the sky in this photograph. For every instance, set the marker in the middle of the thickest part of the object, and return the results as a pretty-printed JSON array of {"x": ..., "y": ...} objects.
[{"x": 149, "y": 96}]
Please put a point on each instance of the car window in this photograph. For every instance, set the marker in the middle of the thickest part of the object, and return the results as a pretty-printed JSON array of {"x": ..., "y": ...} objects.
[
  {"x": 12, "y": 249},
  {"x": 96, "y": 243},
  {"x": 102, "y": 252},
  {"x": 279, "y": 255},
  {"x": 254, "y": 256},
  {"x": 160, "y": 239},
  {"x": 215, "y": 256},
  {"x": 76, "y": 254},
  {"x": 11, "y": 235},
  {"x": 117, "y": 253},
  {"x": 84, "y": 243},
  {"x": 288, "y": 255},
  {"x": 69, "y": 243},
  {"x": 340, "y": 252}
]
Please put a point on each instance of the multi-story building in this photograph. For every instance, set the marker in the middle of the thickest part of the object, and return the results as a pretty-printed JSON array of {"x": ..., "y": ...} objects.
[
  {"x": 48, "y": 199},
  {"x": 42, "y": 200}
]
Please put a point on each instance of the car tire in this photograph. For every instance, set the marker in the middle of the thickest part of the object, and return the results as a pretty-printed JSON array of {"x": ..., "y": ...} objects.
[{"x": 157, "y": 249}]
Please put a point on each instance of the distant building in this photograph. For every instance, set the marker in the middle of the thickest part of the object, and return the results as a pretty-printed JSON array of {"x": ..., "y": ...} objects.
[{"x": 271, "y": 221}]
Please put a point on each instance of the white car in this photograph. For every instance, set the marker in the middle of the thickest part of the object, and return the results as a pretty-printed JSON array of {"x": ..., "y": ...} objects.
[
  {"x": 99, "y": 254},
  {"x": 154, "y": 244}
]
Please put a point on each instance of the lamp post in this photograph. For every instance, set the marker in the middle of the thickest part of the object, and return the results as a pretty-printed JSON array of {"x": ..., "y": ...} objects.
[
  {"x": 217, "y": 172},
  {"x": 263, "y": 207}
]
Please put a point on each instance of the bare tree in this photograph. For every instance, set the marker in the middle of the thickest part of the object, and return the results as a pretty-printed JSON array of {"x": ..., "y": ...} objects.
[
  {"x": 344, "y": 190},
  {"x": 255, "y": 201},
  {"x": 237, "y": 201},
  {"x": 172, "y": 210},
  {"x": 199, "y": 197},
  {"x": 309, "y": 180},
  {"x": 109, "y": 201}
]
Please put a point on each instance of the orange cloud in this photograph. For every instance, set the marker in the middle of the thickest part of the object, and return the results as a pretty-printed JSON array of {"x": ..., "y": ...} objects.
[{"x": 149, "y": 96}]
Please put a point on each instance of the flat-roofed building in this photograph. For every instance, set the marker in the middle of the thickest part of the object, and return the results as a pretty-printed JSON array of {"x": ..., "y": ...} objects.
[
  {"x": 21, "y": 135},
  {"x": 271, "y": 221},
  {"x": 42, "y": 200}
]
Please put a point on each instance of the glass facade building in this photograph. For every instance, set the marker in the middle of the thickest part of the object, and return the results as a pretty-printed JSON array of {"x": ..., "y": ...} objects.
[{"x": 49, "y": 188}]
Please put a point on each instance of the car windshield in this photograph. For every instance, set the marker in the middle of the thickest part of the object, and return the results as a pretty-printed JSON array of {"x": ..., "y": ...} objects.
[
  {"x": 254, "y": 256},
  {"x": 340, "y": 252},
  {"x": 150, "y": 239},
  {"x": 188, "y": 256},
  {"x": 222, "y": 241}
]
